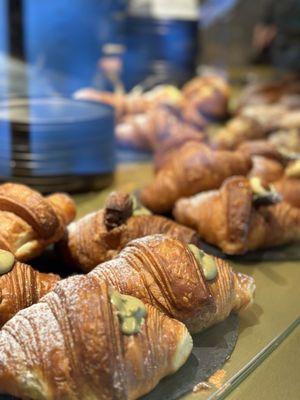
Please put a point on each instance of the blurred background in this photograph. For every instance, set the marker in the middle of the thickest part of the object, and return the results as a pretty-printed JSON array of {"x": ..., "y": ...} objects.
[{"x": 54, "y": 134}]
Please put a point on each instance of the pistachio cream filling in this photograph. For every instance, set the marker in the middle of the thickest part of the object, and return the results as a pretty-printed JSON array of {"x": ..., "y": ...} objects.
[
  {"x": 263, "y": 195},
  {"x": 131, "y": 312},
  {"x": 206, "y": 262},
  {"x": 293, "y": 170},
  {"x": 7, "y": 260}
]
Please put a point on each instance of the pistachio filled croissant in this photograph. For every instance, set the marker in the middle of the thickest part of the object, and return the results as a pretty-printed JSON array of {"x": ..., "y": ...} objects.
[
  {"x": 240, "y": 216},
  {"x": 266, "y": 169},
  {"x": 30, "y": 222},
  {"x": 101, "y": 235},
  {"x": 85, "y": 341},
  {"x": 20, "y": 286},
  {"x": 193, "y": 168},
  {"x": 236, "y": 131},
  {"x": 289, "y": 184},
  {"x": 178, "y": 279}
]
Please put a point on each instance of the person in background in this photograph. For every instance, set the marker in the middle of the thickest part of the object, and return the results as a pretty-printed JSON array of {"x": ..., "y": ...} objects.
[{"x": 277, "y": 36}]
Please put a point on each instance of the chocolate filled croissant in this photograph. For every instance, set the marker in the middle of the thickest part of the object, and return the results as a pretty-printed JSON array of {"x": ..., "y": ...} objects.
[
  {"x": 21, "y": 287},
  {"x": 85, "y": 341},
  {"x": 266, "y": 169},
  {"x": 236, "y": 131},
  {"x": 193, "y": 169},
  {"x": 289, "y": 185},
  {"x": 30, "y": 222},
  {"x": 101, "y": 235},
  {"x": 237, "y": 219},
  {"x": 178, "y": 279}
]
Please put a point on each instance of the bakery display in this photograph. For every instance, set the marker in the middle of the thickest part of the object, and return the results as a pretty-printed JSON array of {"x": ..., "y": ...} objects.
[
  {"x": 101, "y": 235},
  {"x": 227, "y": 181},
  {"x": 30, "y": 222},
  {"x": 193, "y": 169},
  {"x": 84, "y": 340},
  {"x": 178, "y": 279},
  {"x": 20, "y": 286},
  {"x": 241, "y": 216}
]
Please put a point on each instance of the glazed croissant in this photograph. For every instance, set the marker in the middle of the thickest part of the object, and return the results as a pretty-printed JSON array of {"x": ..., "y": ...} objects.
[
  {"x": 178, "y": 279},
  {"x": 236, "y": 131},
  {"x": 101, "y": 235},
  {"x": 229, "y": 219},
  {"x": 30, "y": 222},
  {"x": 78, "y": 343},
  {"x": 21, "y": 287},
  {"x": 193, "y": 169}
]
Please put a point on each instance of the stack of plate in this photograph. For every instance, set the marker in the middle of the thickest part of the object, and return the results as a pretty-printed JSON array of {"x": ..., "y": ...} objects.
[{"x": 56, "y": 144}]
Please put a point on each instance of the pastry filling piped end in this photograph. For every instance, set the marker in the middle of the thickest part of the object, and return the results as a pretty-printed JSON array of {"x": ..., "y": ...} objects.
[
  {"x": 264, "y": 195},
  {"x": 131, "y": 312},
  {"x": 7, "y": 260},
  {"x": 206, "y": 262}
]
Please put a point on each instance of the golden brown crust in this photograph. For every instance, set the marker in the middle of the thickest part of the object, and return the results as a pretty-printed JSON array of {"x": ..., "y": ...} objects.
[
  {"x": 237, "y": 131},
  {"x": 194, "y": 168},
  {"x": 289, "y": 188},
  {"x": 209, "y": 95},
  {"x": 261, "y": 148},
  {"x": 70, "y": 346},
  {"x": 31, "y": 222},
  {"x": 267, "y": 170},
  {"x": 265, "y": 226},
  {"x": 163, "y": 272},
  {"x": 90, "y": 241},
  {"x": 22, "y": 287}
]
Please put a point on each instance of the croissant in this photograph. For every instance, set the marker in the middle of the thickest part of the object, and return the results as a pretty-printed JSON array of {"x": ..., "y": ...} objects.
[
  {"x": 209, "y": 95},
  {"x": 289, "y": 185},
  {"x": 21, "y": 287},
  {"x": 288, "y": 140},
  {"x": 236, "y": 131},
  {"x": 263, "y": 148},
  {"x": 194, "y": 168},
  {"x": 29, "y": 222},
  {"x": 160, "y": 127},
  {"x": 101, "y": 235},
  {"x": 133, "y": 103},
  {"x": 230, "y": 219},
  {"x": 85, "y": 341},
  {"x": 266, "y": 169},
  {"x": 178, "y": 279}
]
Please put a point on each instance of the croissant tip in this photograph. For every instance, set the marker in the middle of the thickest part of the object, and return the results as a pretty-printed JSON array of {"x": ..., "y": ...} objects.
[{"x": 183, "y": 350}]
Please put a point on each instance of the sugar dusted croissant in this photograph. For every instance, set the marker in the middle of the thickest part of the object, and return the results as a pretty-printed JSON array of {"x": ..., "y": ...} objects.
[
  {"x": 235, "y": 218},
  {"x": 236, "y": 131},
  {"x": 289, "y": 185},
  {"x": 21, "y": 286},
  {"x": 30, "y": 222},
  {"x": 178, "y": 279},
  {"x": 101, "y": 235},
  {"x": 194, "y": 168},
  {"x": 266, "y": 169},
  {"x": 86, "y": 341}
]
